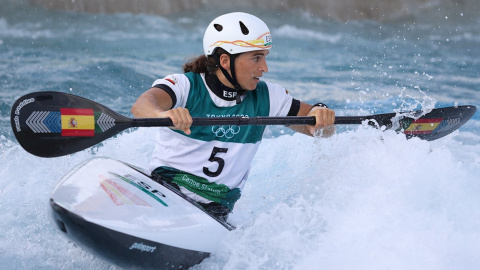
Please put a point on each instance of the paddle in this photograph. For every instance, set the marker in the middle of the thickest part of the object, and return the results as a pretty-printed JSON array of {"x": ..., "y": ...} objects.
[{"x": 52, "y": 124}]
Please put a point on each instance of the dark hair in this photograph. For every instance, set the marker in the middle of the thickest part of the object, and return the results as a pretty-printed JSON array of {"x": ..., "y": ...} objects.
[{"x": 204, "y": 64}]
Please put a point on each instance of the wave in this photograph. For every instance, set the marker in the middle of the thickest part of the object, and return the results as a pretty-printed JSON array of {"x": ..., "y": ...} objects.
[
  {"x": 383, "y": 10},
  {"x": 370, "y": 196}
]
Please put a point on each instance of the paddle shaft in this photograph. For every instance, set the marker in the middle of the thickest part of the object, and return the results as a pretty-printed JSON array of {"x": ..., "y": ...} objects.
[{"x": 244, "y": 121}]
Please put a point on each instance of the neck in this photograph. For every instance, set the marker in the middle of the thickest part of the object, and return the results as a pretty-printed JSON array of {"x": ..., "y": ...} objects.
[
  {"x": 223, "y": 90},
  {"x": 223, "y": 79}
]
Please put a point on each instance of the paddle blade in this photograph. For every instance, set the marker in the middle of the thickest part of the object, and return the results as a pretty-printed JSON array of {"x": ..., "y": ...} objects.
[
  {"x": 52, "y": 124},
  {"x": 431, "y": 126}
]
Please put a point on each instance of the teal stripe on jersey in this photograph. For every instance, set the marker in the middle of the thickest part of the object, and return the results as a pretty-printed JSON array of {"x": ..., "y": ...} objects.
[{"x": 200, "y": 104}]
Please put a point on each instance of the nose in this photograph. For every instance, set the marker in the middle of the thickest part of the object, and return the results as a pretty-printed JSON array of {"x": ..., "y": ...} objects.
[{"x": 263, "y": 66}]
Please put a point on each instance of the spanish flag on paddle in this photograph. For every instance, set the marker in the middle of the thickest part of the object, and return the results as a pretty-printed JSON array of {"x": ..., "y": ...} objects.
[
  {"x": 423, "y": 126},
  {"x": 77, "y": 122}
]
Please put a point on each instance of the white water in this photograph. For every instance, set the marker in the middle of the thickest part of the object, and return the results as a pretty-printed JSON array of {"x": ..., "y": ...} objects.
[
  {"x": 362, "y": 199},
  {"x": 357, "y": 201}
]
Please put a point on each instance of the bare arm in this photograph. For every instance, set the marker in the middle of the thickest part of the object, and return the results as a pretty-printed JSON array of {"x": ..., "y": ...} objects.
[
  {"x": 156, "y": 103},
  {"x": 324, "y": 118},
  {"x": 152, "y": 103}
]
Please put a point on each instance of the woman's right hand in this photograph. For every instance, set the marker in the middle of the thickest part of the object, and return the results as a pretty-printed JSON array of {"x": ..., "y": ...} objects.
[{"x": 181, "y": 118}]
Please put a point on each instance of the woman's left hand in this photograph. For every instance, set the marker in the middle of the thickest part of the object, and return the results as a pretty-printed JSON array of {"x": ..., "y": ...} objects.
[{"x": 324, "y": 117}]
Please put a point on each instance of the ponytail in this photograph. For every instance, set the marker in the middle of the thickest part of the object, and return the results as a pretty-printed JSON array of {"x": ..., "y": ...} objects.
[{"x": 204, "y": 64}]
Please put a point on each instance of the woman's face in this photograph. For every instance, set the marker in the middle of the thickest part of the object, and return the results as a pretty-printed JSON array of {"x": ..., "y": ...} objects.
[{"x": 249, "y": 67}]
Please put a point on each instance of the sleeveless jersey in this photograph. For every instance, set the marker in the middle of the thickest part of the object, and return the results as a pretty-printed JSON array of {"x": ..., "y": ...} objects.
[{"x": 212, "y": 163}]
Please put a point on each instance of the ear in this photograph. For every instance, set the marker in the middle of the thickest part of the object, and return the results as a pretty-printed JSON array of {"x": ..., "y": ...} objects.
[{"x": 225, "y": 61}]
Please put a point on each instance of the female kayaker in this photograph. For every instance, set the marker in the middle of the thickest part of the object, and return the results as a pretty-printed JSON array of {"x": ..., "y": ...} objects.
[{"x": 211, "y": 164}]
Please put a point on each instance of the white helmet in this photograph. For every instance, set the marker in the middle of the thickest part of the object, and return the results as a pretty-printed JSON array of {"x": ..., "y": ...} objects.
[{"x": 237, "y": 32}]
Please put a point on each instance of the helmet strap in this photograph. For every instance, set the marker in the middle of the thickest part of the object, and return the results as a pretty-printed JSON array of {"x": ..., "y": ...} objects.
[{"x": 233, "y": 78}]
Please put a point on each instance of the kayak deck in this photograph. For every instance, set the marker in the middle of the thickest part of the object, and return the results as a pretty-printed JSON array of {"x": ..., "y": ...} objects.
[{"x": 119, "y": 213}]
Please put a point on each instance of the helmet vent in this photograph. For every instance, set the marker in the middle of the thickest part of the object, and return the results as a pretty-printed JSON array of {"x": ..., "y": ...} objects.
[
  {"x": 244, "y": 28},
  {"x": 219, "y": 27}
]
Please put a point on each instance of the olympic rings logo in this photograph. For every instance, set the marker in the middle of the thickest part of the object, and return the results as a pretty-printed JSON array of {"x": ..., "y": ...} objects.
[{"x": 222, "y": 131}]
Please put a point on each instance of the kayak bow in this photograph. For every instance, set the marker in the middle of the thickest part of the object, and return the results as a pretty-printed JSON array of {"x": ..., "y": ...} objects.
[{"x": 119, "y": 213}]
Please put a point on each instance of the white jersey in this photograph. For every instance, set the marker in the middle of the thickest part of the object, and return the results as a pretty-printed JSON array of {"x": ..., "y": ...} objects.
[{"x": 212, "y": 163}]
